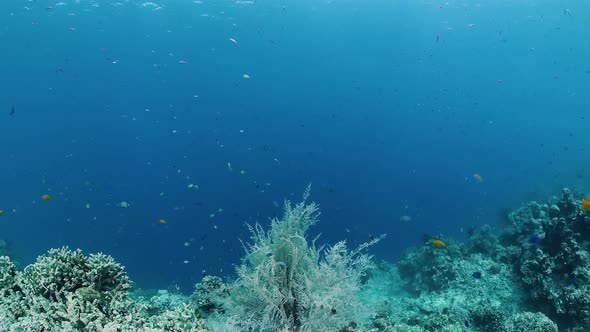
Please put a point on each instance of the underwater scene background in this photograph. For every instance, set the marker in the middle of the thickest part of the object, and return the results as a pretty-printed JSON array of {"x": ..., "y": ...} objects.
[{"x": 160, "y": 130}]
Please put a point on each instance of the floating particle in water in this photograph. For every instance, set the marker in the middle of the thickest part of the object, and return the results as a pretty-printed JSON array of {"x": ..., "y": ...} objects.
[
  {"x": 246, "y": 76},
  {"x": 235, "y": 42},
  {"x": 87, "y": 205},
  {"x": 123, "y": 204},
  {"x": 186, "y": 244},
  {"x": 186, "y": 262}
]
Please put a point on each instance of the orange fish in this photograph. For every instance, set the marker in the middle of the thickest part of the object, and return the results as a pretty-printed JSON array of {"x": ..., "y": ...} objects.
[
  {"x": 46, "y": 197},
  {"x": 586, "y": 204},
  {"x": 437, "y": 243}
]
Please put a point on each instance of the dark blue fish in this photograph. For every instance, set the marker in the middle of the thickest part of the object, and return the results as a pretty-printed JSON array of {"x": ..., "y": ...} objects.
[
  {"x": 476, "y": 275},
  {"x": 466, "y": 323},
  {"x": 534, "y": 239}
]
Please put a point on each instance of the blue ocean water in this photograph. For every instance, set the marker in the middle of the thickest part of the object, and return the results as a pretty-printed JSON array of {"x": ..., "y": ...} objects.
[{"x": 388, "y": 108}]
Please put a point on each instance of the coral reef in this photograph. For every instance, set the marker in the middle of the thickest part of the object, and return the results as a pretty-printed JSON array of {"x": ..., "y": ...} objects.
[{"x": 531, "y": 273}]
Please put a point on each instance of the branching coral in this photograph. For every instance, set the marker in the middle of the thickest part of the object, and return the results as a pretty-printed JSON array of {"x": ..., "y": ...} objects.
[{"x": 287, "y": 283}]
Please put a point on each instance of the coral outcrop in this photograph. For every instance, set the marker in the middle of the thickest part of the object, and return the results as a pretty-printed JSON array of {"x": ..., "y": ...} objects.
[
  {"x": 66, "y": 290},
  {"x": 530, "y": 274}
]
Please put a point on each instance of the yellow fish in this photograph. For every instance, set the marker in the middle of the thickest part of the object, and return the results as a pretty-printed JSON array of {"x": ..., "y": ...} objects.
[
  {"x": 1, "y": 212},
  {"x": 46, "y": 197},
  {"x": 162, "y": 222},
  {"x": 437, "y": 243},
  {"x": 586, "y": 204}
]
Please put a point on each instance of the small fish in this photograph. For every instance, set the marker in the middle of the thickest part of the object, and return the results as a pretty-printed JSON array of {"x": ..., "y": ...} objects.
[
  {"x": 46, "y": 197},
  {"x": 437, "y": 38},
  {"x": 437, "y": 243},
  {"x": 1, "y": 212},
  {"x": 586, "y": 204},
  {"x": 182, "y": 62},
  {"x": 12, "y": 110},
  {"x": 534, "y": 239},
  {"x": 235, "y": 42},
  {"x": 466, "y": 323},
  {"x": 476, "y": 275},
  {"x": 478, "y": 178},
  {"x": 162, "y": 222},
  {"x": 405, "y": 219}
]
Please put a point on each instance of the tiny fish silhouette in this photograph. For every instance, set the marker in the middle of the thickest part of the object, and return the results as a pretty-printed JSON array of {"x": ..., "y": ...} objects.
[{"x": 12, "y": 110}]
